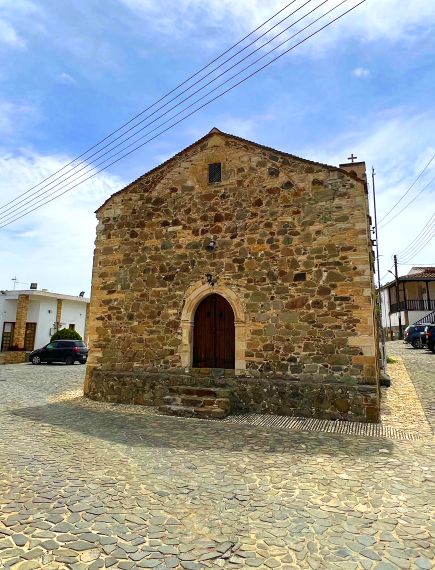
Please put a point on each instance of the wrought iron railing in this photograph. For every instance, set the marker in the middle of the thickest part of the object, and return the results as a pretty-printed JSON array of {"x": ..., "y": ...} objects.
[
  {"x": 430, "y": 319},
  {"x": 413, "y": 305}
]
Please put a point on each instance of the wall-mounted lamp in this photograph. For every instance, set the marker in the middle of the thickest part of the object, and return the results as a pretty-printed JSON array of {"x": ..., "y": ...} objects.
[
  {"x": 210, "y": 279},
  {"x": 211, "y": 246},
  {"x": 81, "y": 294}
]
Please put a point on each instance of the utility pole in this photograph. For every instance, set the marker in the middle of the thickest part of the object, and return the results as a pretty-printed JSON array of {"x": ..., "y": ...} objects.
[
  {"x": 383, "y": 352},
  {"x": 396, "y": 275}
]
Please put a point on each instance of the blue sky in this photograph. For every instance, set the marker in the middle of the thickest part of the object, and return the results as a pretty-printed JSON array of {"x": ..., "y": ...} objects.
[{"x": 73, "y": 71}]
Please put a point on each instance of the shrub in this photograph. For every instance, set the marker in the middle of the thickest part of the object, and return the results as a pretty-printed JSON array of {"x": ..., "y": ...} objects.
[{"x": 66, "y": 334}]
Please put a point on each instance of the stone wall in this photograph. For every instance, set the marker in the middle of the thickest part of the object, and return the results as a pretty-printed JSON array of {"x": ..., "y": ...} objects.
[
  {"x": 14, "y": 357},
  {"x": 290, "y": 397},
  {"x": 58, "y": 313},
  {"x": 20, "y": 321},
  {"x": 293, "y": 248}
]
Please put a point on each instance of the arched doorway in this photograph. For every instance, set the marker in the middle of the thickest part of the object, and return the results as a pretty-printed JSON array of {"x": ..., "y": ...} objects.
[{"x": 213, "y": 334}]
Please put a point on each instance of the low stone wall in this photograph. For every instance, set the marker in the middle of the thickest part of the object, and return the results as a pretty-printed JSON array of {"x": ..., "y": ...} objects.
[
  {"x": 14, "y": 357},
  {"x": 289, "y": 397}
]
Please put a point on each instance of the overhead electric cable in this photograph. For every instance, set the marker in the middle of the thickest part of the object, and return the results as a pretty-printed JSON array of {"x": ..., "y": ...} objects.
[
  {"x": 160, "y": 99},
  {"x": 411, "y": 254},
  {"x": 424, "y": 243},
  {"x": 416, "y": 239},
  {"x": 430, "y": 222},
  {"x": 72, "y": 173},
  {"x": 408, "y": 204},
  {"x": 8, "y": 215},
  {"x": 198, "y": 108},
  {"x": 412, "y": 185}
]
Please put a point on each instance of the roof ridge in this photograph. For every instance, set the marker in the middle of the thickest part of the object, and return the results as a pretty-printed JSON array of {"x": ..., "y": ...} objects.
[{"x": 212, "y": 132}]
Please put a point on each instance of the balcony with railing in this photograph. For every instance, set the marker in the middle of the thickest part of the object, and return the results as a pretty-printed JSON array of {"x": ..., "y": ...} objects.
[{"x": 413, "y": 305}]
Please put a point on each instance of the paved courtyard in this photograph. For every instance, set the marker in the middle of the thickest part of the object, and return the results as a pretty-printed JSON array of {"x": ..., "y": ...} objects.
[{"x": 86, "y": 485}]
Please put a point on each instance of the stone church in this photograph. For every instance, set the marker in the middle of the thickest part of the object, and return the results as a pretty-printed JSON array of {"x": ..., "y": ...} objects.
[{"x": 235, "y": 277}]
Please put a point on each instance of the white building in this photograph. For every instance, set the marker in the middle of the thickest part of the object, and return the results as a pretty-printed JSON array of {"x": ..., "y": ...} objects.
[
  {"x": 28, "y": 318},
  {"x": 412, "y": 298}
]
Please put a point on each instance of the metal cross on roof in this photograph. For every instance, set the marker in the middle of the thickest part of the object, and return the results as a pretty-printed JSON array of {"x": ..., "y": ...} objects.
[{"x": 352, "y": 158}]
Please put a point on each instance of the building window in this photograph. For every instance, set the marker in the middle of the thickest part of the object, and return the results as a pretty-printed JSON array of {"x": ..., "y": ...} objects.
[
  {"x": 300, "y": 277},
  {"x": 72, "y": 327},
  {"x": 214, "y": 172}
]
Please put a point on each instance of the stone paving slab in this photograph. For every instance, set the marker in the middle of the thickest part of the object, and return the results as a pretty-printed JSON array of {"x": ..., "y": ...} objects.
[
  {"x": 84, "y": 486},
  {"x": 402, "y": 415},
  {"x": 391, "y": 428},
  {"x": 420, "y": 365},
  {"x": 401, "y": 406}
]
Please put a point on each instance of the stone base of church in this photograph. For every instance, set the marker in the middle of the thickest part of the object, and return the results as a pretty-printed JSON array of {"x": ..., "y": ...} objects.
[{"x": 286, "y": 396}]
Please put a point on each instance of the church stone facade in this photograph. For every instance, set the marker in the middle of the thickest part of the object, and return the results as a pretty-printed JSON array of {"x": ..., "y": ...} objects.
[{"x": 237, "y": 266}]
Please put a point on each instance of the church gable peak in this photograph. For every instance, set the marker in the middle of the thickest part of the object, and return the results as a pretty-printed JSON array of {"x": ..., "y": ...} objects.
[{"x": 216, "y": 138}]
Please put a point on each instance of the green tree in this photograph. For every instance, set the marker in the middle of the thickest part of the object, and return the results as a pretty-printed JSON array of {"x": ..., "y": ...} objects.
[{"x": 66, "y": 334}]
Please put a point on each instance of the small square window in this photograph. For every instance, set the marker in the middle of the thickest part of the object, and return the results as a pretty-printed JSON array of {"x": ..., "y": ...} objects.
[
  {"x": 214, "y": 172},
  {"x": 300, "y": 277}
]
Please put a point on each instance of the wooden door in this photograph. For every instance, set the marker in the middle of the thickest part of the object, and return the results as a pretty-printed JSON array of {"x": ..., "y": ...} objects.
[
  {"x": 29, "y": 337},
  {"x": 8, "y": 335},
  {"x": 213, "y": 334}
]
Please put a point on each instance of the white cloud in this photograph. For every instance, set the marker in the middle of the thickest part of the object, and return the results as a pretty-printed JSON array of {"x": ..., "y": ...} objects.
[
  {"x": 66, "y": 78},
  {"x": 390, "y": 19},
  {"x": 9, "y": 36},
  {"x": 398, "y": 144},
  {"x": 361, "y": 72},
  {"x": 54, "y": 244},
  {"x": 13, "y": 114}
]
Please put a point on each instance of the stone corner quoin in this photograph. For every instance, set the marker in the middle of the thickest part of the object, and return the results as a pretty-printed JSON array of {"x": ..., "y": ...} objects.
[{"x": 292, "y": 256}]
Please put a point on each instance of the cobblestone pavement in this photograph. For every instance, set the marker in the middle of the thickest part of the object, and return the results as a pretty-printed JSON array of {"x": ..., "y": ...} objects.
[
  {"x": 86, "y": 486},
  {"x": 420, "y": 364}
]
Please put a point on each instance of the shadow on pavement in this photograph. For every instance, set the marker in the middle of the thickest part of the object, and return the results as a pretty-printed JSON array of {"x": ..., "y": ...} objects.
[{"x": 152, "y": 431}]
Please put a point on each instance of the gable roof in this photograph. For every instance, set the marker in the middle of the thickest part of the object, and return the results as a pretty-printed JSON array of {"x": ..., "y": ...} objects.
[{"x": 214, "y": 131}]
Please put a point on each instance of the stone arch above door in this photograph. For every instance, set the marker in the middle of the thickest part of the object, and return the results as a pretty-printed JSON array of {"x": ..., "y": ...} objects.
[{"x": 194, "y": 295}]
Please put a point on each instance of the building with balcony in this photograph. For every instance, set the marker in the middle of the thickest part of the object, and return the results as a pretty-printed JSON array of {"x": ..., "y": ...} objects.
[{"x": 412, "y": 298}]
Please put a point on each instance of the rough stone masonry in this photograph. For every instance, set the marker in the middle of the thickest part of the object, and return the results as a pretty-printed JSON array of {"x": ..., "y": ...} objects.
[{"x": 286, "y": 241}]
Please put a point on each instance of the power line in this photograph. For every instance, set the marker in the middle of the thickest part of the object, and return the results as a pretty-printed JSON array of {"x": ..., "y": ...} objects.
[
  {"x": 418, "y": 247},
  {"x": 412, "y": 185},
  {"x": 73, "y": 172},
  {"x": 158, "y": 101},
  {"x": 415, "y": 240},
  {"x": 409, "y": 203},
  {"x": 425, "y": 242},
  {"x": 200, "y": 107},
  {"x": 192, "y": 112}
]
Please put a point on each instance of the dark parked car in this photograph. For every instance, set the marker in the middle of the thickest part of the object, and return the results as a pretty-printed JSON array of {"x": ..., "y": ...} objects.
[
  {"x": 412, "y": 335},
  {"x": 68, "y": 351},
  {"x": 428, "y": 337}
]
